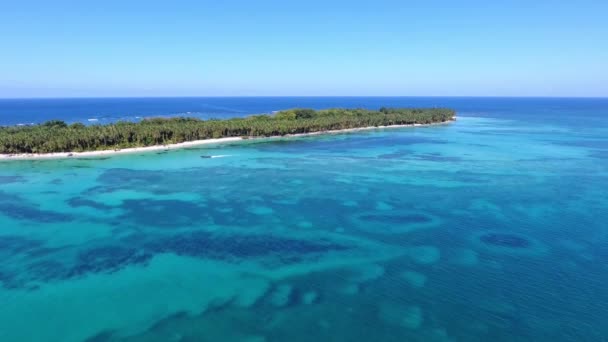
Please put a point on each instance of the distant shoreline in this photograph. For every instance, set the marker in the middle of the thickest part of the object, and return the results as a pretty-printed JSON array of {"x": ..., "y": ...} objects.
[{"x": 186, "y": 144}]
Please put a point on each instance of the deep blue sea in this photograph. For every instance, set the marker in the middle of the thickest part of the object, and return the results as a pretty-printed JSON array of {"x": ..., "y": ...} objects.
[{"x": 490, "y": 228}]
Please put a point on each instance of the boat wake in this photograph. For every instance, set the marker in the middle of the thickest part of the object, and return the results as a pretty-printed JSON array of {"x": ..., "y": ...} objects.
[{"x": 217, "y": 156}]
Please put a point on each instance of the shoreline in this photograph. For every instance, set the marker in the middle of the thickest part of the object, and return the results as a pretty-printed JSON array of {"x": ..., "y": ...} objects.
[{"x": 92, "y": 154}]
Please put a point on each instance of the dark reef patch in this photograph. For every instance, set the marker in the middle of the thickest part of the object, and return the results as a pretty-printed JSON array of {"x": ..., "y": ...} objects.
[
  {"x": 332, "y": 145},
  {"x": 48, "y": 270},
  {"x": 396, "y": 218},
  {"x": 4, "y": 278},
  {"x": 509, "y": 243},
  {"x": 396, "y": 155},
  {"x": 11, "y": 179},
  {"x": 208, "y": 181},
  {"x": 76, "y": 202},
  {"x": 16, "y": 207},
  {"x": 57, "y": 264},
  {"x": 26, "y": 212},
  {"x": 17, "y": 247},
  {"x": 103, "y": 336},
  {"x": 9, "y": 280},
  {"x": 139, "y": 180},
  {"x": 590, "y": 143},
  {"x": 42, "y": 251},
  {"x": 208, "y": 245},
  {"x": 600, "y": 154},
  {"x": 9, "y": 198},
  {"x": 129, "y": 176},
  {"x": 105, "y": 259},
  {"x": 108, "y": 259},
  {"x": 323, "y": 212},
  {"x": 437, "y": 157},
  {"x": 236, "y": 216},
  {"x": 505, "y": 240},
  {"x": 12, "y": 245},
  {"x": 101, "y": 190},
  {"x": 163, "y": 213}
]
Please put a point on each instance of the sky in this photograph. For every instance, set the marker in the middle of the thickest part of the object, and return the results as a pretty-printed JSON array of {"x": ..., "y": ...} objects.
[{"x": 309, "y": 48}]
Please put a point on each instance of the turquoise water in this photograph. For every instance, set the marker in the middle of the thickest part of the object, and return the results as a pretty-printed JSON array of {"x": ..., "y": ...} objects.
[{"x": 493, "y": 227}]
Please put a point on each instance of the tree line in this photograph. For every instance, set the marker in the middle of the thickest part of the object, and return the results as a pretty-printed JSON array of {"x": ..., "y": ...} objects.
[{"x": 58, "y": 136}]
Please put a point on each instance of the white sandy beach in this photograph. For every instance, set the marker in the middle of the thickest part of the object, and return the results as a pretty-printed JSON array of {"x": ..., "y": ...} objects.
[{"x": 91, "y": 154}]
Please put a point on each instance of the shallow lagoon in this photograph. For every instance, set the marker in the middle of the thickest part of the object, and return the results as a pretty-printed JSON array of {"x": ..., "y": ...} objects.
[{"x": 493, "y": 227}]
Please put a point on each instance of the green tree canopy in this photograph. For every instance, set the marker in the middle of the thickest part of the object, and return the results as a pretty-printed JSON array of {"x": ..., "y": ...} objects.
[{"x": 57, "y": 136}]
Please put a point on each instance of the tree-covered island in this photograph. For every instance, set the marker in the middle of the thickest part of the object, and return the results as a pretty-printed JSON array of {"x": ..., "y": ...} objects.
[{"x": 57, "y": 136}]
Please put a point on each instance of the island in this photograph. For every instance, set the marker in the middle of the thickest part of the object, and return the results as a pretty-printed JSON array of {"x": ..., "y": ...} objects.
[{"x": 58, "y": 139}]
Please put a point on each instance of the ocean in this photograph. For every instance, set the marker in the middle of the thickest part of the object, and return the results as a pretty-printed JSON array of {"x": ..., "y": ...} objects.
[{"x": 493, "y": 227}]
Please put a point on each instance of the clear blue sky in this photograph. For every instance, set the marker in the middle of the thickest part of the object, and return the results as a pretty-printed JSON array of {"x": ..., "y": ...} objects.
[{"x": 247, "y": 47}]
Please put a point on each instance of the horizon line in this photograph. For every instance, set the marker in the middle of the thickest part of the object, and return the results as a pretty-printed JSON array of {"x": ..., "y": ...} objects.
[{"x": 300, "y": 96}]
